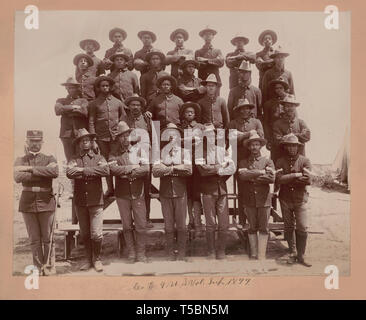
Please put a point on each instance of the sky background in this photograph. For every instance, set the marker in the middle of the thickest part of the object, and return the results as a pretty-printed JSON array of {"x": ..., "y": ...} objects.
[{"x": 319, "y": 61}]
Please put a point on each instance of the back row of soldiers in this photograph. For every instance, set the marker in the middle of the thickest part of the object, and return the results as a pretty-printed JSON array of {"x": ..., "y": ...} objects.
[{"x": 100, "y": 113}]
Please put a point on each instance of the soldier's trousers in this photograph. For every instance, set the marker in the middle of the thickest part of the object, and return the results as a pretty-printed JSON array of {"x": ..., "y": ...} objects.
[
  {"x": 39, "y": 227},
  {"x": 215, "y": 205},
  {"x": 174, "y": 213},
  {"x": 294, "y": 216},
  {"x": 258, "y": 219},
  {"x": 90, "y": 221},
  {"x": 132, "y": 212}
]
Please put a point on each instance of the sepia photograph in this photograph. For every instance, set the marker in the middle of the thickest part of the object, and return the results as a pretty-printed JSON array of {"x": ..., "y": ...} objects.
[{"x": 181, "y": 143}]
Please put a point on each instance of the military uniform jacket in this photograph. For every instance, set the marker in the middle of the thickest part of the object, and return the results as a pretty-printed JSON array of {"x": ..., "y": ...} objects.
[
  {"x": 253, "y": 186},
  {"x": 216, "y": 61},
  {"x": 175, "y": 66},
  {"x": 119, "y": 48},
  {"x": 166, "y": 109},
  {"x": 250, "y": 92},
  {"x": 215, "y": 171},
  {"x": 129, "y": 180},
  {"x": 190, "y": 82},
  {"x": 125, "y": 83},
  {"x": 71, "y": 121},
  {"x": 44, "y": 170},
  {"x": 273, "y": 111},
  {"x": 148, "y": 85},
  {"x": 141, "y": 54},
  {"x": 173, "y": 172},
  {"x": 87, "y": 80},
  {"x": 104, "y": 115},
  {"x": 234, "y": 65},
  {"x": 273, "y": 74},
  {"x": 263, "y": 62},
  {"x": 214, "y": 110},
  {"x": 88, "y": 189},
  {"x": 95, "y": 70},
  {"x": 293, "y": 189},
  {"x": 296, "y": 126}
]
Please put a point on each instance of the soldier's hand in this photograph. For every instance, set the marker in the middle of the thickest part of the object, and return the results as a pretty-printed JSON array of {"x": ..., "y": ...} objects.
[
  {"x": 76, "y": 108},
  {"x": 148, "y": 114},
  {"x": 201, "y": 89},
  {"x": 269, "y": 146}
]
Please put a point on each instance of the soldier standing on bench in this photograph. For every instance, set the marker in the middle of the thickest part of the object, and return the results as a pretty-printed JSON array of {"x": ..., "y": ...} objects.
[
  {"x": 87, "y": 169},
  {"x": 35, "y": 171},
  {"x": 130, "y": 170},
  {"x": 293, "y": 196},
  {"x": 255, "y": 174}
]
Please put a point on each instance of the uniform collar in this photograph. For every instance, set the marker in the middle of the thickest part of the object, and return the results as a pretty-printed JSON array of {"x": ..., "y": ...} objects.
[
  {"x": 256, "y": 158},
  {"x": 239, "y": 51},
  {"x": 122, "y": 69},
  {"x": 207, "y": 46},
  {"x": 90, "y": 153},
  {"x": 242, "y": 121},
  {"x": 34, "y": 154},
  {"x": 147, "y": 48},
  {"x": 179, "y": 48}
]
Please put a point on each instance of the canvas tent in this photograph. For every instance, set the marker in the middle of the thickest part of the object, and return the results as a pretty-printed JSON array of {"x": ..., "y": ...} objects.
[{"x": 341, "y": 164}]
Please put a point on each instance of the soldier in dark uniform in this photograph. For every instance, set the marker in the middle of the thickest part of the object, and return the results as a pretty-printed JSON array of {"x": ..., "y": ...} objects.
[
  {"x": 178, "y": 55},
  {"x": 173, "y": 169},
  {"x": 273, "y": 111},
  {"x": 278, "y": 70},
  {"x": 245, "y": 90},
  {"x": 234, "y": 59},
  {"x": 104, "y": 114},
  {"x": 35, "y": 171},
  {"x": 209, "y": 58},
  {"x": 293, "y": 196},
  {"x": 117, "y": 36},
  {"x": 290, "y": 123},
  {"x": 125, "y": 81},
  {"x": 130, "y": 170},
  {"x": 139, "y": 59},
  {"x": 255, "y": 174},
  {"x": 90, "y": 46},
  {"x": 263, "y": 60},
  {"x": 137, "y": 119},
  {"x": 85, "y": 75},
  {"x": 190, "y": 115},
  {"x": 190, "y": 87},
  {"x": 87, "y": 170},
  {"x": 215, "y": 167},
  {"x": 74, "y": 115}
]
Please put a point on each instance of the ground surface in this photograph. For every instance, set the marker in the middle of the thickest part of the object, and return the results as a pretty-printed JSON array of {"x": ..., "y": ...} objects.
[{"x": 329, "y": 213}]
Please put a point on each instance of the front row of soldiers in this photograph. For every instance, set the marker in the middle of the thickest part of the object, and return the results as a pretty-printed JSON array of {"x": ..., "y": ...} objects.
[{"x": 175, "y": 167}]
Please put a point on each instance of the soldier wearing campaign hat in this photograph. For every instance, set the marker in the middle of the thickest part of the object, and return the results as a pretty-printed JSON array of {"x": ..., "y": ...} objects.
[
  {"x": 87, "y": 170},
  {"x": 209, "y": 58},
  {"x": 90, "y": 46},
  {"x": 85, "y": 75},
  {"x": 278, "y": 70},
  {"x": 139, "y": 59},
  {"x": 234, "y": 59},
  {"x": 255, "y": 174},
  {"x": 179, "y": 54},
  {"x": 117, "y": 36},
  {"x": 35, "y": 171},
  {"x": 293, "y": 180},
  {"x": 173, "y": 169},
  {"x": 264, "y": 62},
  {"x": 245, "y": 90},
  {"x": 131, "y": 170}
]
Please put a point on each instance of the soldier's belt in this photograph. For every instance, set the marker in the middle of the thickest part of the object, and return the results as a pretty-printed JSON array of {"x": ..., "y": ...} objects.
[{"x": 37, "y": 189}]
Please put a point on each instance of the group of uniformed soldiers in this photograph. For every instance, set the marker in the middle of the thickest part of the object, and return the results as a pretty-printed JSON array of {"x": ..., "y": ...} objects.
[{"x": 102, "y": 116}]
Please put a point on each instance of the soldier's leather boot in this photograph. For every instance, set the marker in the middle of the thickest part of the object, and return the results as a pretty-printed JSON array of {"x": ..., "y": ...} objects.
[
  {"x": 210, "y": 238},
  {"x": 290, "y": 237},
  {"x": 197, "y": 213},
  {"x": 221, "y": 245},
  {"x": 141, "y": 247},
  {"x": 130, "y": 246},
  {"x": 169, "y": 236},
  {"x": 182, "y": 240},
  {"x": 301, "y": 238},
  {"x": 262, "y": 246},
  {"x": 97, "y": 249},
  {"x": 88, "y": 253},
  {"x": 253, "y": 243}
]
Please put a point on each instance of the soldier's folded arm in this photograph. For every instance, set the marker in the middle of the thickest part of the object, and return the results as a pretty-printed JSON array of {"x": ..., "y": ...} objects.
[
  {"x": 304, "y": 135},
  {"x": 207, "y": 169},
  {"x": 141, "y": 171},
  {"x": 22, "y": 176},
  {"x": 160, "y": 170},
  {"x": 285, "y": 178},
  {"x": 50, "y": 170},
  {"x": 117, "y": 170},
  {"x": 83, "y": 110},
  {"x": 245, "y": 174},
  {"x": 269, "y": 176},
  {"x": 218, "y": 61},
  {"x": 61, "y": 109},
  {"x": 183, "y": 169},
  {"x": 100, "y": 170}
]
